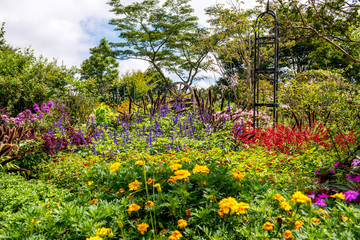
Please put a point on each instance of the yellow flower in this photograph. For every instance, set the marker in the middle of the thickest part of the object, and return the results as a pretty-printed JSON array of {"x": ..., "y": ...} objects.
[
  {"x": 158, "y": 186},
  {"x": 222, "y": 212},
  {"x": 142, "y": 228},
  {"x": 48, "y": 213},
  {"x": 94, "y": 238},
  {"x": 338, "y": 196},
  {"x": 135, "y": 185},
  {"x": 172, "y": 179},
  {"x": 298, "y": 224},
  {"x": 288, "y": 235},
  {"x": 150, "y": 181},
  {"x": 176, "y": 234},
  {"x": 149, "y": 204},
  {"x": 200, "y": 169},
  {"x": 175, "y": 166},
  {"x": 182, "y": 223},
  {"x": 185, "y": 159},
  {"x": 268, "y": 226},
  {"x": 46, "y": 204},
  {"x": 238, "y": 175},
  {"x": 240, "y": 208},
  {"x": 323, "y": 212},
  {"x": 121, "y": 190},
  {"x": 279, "y": 198},
  {"x": 114, "y": 167},
  {"x": 141, "y": 163},
  {"x": 104, "y": 232},
  {"x": 315, "y": 220},
  {"x": 94, "y": 201},
  {"x": 182, "y": 175},
  {"x": 344, "y": 218},
  {"x": 133, "y": 208},
  {"x": 37, "y": 222},
  {"x": 90, "y": 183},
  {"x": 298, "y": 197},
  {"x": 285, "y": 206}
]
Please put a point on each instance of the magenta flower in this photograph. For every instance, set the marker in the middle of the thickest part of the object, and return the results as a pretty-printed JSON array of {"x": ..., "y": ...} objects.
[
  {"x": 354, "y": 178},
  {"x": 36, "y": 108},
  {"x": 336, "y": 164},
  {"x": 320, "y": 202},
  {"x": 351, "y": 195},
  {"x": 323, "y": 195},
  {"x": 312, "y": 195},
  {"x": 50, "y": 104},
  {"x": 41, "y": 114},
  {"x": 355, "y": 162}
]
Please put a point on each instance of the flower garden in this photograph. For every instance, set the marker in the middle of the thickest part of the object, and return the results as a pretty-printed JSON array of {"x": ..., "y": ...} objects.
[{"x": 175, "y": 173}]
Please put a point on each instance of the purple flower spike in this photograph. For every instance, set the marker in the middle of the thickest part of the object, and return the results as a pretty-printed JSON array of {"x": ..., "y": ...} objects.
[{"x": 351, "y": 195}]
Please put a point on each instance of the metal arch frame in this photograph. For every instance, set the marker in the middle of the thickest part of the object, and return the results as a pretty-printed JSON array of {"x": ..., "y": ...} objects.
[{"x": 257, "y": 69}]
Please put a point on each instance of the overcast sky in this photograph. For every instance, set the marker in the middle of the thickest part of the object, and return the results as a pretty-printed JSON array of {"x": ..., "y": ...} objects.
[{"x": 66, "y": 29}]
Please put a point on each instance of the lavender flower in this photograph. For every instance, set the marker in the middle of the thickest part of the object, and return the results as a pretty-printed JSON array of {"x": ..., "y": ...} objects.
[
  {"x": 36, "y": 108},
  {"x": 355, "y": 162},
  {"x": 320, "y": 202},
  {"x": 312, "y": 195}
]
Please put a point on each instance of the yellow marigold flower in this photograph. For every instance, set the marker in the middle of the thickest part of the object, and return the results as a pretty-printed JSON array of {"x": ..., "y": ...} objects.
[
  {"x": 344, "y": 218},
  {"x": 299, "y": 197},
  {"x": 135, "y": 185},
  {"x": 240, "y": 208},
  {"x": 142, "y": 228},
  {"x": 121, "y": 190},
  {"x": 141, "y": 163},
  {"x": 185, "y": 159},
  {"x": 149, "y": 204},
  {"x": 279, "y": 198},
  {"x": 104, "y": 232},
  {"x": 94, "y": 238},
  {"x": 133, "y": 208},
  {"x": 222, "y": 212},
  {"x": 175, "y": 166},
  {"x": 288, "y": 235},
  {"x": 182, "y": 175},
  {"x": 158, "y": 186},
  {"x": 323, "y": 212},
  {"x": 268, "y": 226},
  {"x": 338, "y": 196},
  {"x": 182, "y": 223},
  {"x": 200, "y": 169},
  {"x": 94, "y": 201},
  {"x": 48, "y": 213},
  {"x": 150, "y": 181},
  {"x": 238, "y": 175},
  {"x": 176, "y": 234},
  {"x": 172, "y": 179},
  {"x": 114, "y": 167},
  {"x": 285, "y": 206},
  {"x": 315, "y": 220},
  {"x": 90, "y": 183},
  {"x": 227, "y": 204},
  {"x": 298, "y": 224},
  {"x": 172, "y": 238}
]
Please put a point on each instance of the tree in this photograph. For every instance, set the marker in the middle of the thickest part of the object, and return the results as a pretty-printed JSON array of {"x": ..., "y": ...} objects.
[
  {"x": 334, "y": 21},
  {"x": 100, "y": 69},
  {"x": 167, "y": 36}
]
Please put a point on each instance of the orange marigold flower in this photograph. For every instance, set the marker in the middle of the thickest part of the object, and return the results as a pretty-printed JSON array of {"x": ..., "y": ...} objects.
[
  {"x": 279, "y": 198},
  {"x": 268, "y": 226},
  {"x": 285, "y": 206},
  {"x": 114, "y": 167},
  {"x": 135, "y": 185},
  {"x": 182, "y": 223},
  {"x": 182, "y": 175},
  {"x": 149, "y": 204},
  {"x": 315, "y": 220},
  {"x": 133, "y": 208},
  {"x": 200, "y": 169},
  {"x": 176, "y": 234},
  {"x": 142, "y": 228},
  {"x": 141, "y": 163},
  {"x": 175, "y": 166},
  {"x": 299, "y": 197},
  {"x": 288, "y": 235},
  {"x": 94, "y": 201},
  {"x": 150, "y": 181},
  {"x": 298, "y": 224}
]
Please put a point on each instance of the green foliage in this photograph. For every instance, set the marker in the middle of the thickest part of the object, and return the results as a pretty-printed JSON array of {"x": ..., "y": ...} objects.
[
  {"x": 99, "y": 70},
  {"x": 138, "y": 79},
  {"x": 167, "y": 36}
]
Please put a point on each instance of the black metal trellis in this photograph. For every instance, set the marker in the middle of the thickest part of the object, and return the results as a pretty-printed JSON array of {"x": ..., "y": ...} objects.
[{"x": 261, "y": 41}]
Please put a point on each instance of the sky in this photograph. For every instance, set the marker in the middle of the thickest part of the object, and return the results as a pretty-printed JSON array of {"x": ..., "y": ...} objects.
[{"x": 65, "y": 30}]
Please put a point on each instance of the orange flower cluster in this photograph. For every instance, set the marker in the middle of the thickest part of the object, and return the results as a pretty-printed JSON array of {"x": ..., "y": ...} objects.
[{"x": 231, "y": 205}]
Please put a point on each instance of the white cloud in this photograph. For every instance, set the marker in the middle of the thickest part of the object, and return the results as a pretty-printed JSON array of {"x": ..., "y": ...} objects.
[{"x": 66, "y": 29}]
